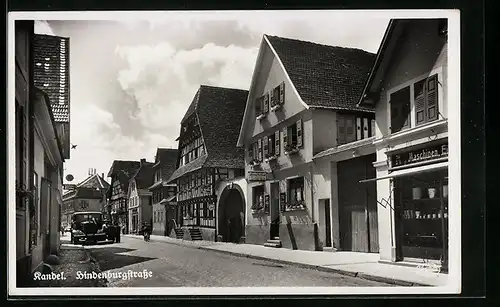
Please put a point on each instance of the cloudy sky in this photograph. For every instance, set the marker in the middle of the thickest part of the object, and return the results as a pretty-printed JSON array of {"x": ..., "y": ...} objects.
[{"x": 132, "y": 81}]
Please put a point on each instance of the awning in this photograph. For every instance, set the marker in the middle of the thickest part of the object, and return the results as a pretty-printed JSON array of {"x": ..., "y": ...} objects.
[
  {"x": 410, "y": 171},
  {"x": 168, "y": 200}
]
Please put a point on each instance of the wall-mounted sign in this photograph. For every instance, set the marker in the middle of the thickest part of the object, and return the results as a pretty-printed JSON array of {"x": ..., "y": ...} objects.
[
  {"x": 257, "y": 176},
  {"x": 282, "y": 201},
  {"x": 69, "y": 186},
  {"x": 427, "y": 154}
]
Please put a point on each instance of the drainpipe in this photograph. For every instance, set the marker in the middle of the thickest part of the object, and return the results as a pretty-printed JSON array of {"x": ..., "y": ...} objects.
[{"x": 313, "y": 208}]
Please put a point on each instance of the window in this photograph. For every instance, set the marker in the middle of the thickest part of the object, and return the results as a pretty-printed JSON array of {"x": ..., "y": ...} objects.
[
  {"x": 258, "y": 198},
  {"x": 426, "y": 100},
  {"x": 262, "y": 105},
  {"x": 352, "y": 128},
  {"x": 400, "y": 109},
  {"x": 296, "y": 191},
  {"x": 253, "y": 152},
  {"x": 293, "y": 137},
  {"x": 192, "y": 151},
  {"x": 278, "y": 96}
]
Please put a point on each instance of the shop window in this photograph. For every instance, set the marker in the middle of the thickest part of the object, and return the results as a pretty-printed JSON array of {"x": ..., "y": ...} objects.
[
  {"x": 293, "y": 137},
  {"x": 400, "y": 110},
  {"x": 258, "y": 198},
  {"x": 295, "y": 194},
  {"x": 422, "y": 210}
]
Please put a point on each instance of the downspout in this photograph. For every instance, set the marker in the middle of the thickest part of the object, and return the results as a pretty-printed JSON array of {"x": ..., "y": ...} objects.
[{"x": 313, "y": 208}]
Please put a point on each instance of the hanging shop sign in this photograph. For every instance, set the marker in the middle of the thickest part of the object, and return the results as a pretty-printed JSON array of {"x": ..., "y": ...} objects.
[
  {"x": 257, "y": 176},
  {"x": 435, "y": 152}
]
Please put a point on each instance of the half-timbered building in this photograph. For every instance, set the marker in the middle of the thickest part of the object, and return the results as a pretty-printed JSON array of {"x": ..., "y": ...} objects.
[
  {"x": 139, "y": 197},
  {"x": 117, "y": 202},
  {"x": 207, "y": 155}
]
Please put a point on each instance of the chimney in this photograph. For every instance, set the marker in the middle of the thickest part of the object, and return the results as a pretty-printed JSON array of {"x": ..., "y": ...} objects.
[
  {"x": 102, "y": 175},
  {"x": 143, "y": 161}
]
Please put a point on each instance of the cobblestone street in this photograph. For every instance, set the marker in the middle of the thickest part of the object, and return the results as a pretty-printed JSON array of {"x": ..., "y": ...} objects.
[{"x": 178, "y": 266}]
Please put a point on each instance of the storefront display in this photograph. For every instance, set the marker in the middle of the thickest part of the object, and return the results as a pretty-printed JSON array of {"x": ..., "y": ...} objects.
[{"x": 422, "y": 211}]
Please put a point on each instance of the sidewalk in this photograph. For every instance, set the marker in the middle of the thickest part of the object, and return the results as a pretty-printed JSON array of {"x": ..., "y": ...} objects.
[
  {"x": 362, "y": 265},
  {"x": 73, "y": 259}
]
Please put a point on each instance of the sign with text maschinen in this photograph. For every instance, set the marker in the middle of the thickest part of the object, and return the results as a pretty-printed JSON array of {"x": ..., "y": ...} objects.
[{"x": 426, "y": 154}]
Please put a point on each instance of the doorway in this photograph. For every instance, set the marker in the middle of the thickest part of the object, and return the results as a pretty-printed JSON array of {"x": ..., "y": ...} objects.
[
  {"x": 274, "y": 231},
  {"x": 358, "y": 222},
  {"x": 325, "y": 222},
  {"x": 231, "y": 215}
]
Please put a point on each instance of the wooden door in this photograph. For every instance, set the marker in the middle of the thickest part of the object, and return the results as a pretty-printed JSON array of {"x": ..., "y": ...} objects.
[
  {"x": 44, "y": 215},
  {"x": 357, "y": 206},
  {"x": 275, "y": 211}
]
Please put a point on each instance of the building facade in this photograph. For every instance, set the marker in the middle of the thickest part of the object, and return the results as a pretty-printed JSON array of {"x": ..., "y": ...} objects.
[
  {"x": 117, "y": 200},
  {"x": 164, "y": 194},
  {"x": 207, "y": 156},
  {"x": 42, "y": 145},
  {"x": 408, "y": 87},
  {"x": 88, "y": 195},
  {"x": 292, "y": 115},
  {"x": 140, "y": 209}
]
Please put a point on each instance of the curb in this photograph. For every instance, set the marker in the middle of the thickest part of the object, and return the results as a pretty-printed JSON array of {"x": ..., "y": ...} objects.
[{"x": 387, "y": 280}]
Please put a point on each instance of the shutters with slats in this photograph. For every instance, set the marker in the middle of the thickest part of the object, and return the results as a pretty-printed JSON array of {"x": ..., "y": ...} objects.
[
  {"x": 285, "y": 137},
  {"x": 299, "y": 133},
  {"x": 340, "y": 130},
  {"x": 277, "y": 143},
  {"x": 282, "y": 93},
  {"x": 372, "y": 132},
  {"x": 259, "y": 144},
  {"x": 266, "y": 103},
  {"x": 265, "y": 144},
  {"x": 272, "y": 97},
  {"x": 432, "y": 99},
  {"x": 365, "y": 128},
  {"x": 419, "y": 100},
  {"x": 250, "y": 152}
]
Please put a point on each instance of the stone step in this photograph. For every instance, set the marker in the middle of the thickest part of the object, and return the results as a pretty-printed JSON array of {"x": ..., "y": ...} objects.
[{"x": 274, "y": 245}]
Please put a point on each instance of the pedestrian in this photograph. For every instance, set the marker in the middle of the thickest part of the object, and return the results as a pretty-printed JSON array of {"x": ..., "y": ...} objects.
[{"x": 118, "y": 233}]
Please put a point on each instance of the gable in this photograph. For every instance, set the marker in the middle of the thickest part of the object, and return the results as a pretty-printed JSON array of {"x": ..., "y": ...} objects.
[{"x": 268, "y": 74}]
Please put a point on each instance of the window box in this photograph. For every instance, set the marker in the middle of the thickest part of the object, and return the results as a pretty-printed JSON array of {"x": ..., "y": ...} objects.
[
  {"x": 276, "y": 107},
  {"x": 261, "y": 116},
  {"x": 290, "y": 150},
  {"x": 271, "y": 158},
  {"x": 299, "y": 206}
]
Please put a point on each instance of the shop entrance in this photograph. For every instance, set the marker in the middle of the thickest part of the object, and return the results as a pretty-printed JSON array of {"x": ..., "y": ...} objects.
[
  {"x": 358, "y": 222},
  {"x": 421, "y": 204}
]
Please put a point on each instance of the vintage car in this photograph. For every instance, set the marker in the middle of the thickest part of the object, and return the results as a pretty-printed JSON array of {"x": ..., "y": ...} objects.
[{"x": 87, "y": 227}]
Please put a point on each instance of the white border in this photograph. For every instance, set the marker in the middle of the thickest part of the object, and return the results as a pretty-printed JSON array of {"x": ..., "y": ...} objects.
[{"x": 453, "y": 16}]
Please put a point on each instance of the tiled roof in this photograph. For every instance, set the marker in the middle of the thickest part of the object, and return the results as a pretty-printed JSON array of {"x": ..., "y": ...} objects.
[
  {"x": 94, "y": 181},
  {"x": 220, "y": 113},
  {"x": 144, "y": 176},
  {"x": 167, "y": 159},
  {"x": 190, "y": 167},
  {"x": 325, "y": 76},
  {"x": 84, "y": 192},
  {"x": 51, "y": 72},
  {"x": 124, "y": 170}
]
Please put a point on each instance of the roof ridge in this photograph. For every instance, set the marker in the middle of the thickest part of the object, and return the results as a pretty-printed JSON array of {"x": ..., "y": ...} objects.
[
  {"x": 316, "y": 43},
  {"x": 222, "y": 87}
]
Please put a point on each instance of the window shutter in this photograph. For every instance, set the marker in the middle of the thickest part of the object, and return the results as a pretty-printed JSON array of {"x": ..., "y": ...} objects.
[
  {"x": 340, "y": 130},
  {"x": 365, "y": 128},
  {"x": 250, "y": 152},
  {"x": 282, "y": 92},
  {"x": 272, "y": 98},
  {"x": 266, "y": 103},
  {"x": 432, "y": 98},
  {"x": 299, "y": 133},
  {"x": 372, "y": 133},
  {"x": 265, "y": 144},
  {"x": 259, "y": 142},
  {"x": 285, "y": 137},
  {"x": 358, "y": 129},
  {"x": 349, "y": 130},
  {"x": 258, "y": 106},
  {"x": 277, "y": 143},
  {"x": 419, "y": 89}
]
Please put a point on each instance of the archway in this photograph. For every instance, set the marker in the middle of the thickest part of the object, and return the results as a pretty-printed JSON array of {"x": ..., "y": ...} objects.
[{"x": 231, "y": 214}]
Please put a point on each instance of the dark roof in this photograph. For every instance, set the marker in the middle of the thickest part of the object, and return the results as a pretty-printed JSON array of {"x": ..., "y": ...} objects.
[
  {"x": 190, "y": 167},
  {"x": 325, "y": 76},
  {"x": 166, "y": 159},
  {"x": 144, "y": 176},
  {"x": 84, "y": 192},
  {"x": 123, "y": 170},
  {"x": 94, "y": 181},
  {"x": 220, "y": 113}
]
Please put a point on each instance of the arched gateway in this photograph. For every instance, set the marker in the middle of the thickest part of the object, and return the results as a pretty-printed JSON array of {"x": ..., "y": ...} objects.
[{"x": 231, "y": 217}]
